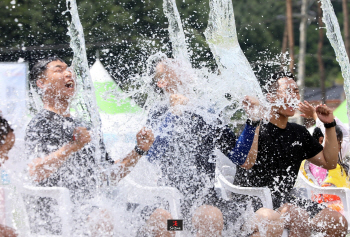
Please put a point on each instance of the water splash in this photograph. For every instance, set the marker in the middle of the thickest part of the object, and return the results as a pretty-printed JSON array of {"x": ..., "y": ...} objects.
[
  {"x": 176, "y": 32},
  {"x": 84, "y": 102},
  {"x": 222, "y": 38},
  {"x": 335, "y": 37}
]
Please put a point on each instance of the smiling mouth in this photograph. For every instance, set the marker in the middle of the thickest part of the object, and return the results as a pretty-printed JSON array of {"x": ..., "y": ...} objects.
[{"x": 70, "y": 84}]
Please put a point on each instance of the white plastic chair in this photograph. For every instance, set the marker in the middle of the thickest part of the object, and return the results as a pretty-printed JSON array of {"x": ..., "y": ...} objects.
[
  {"x": 311, "y": 189},
  {"x": 148, "y": 196},
  {"x": 225, "y": 173},
  {"x": 131, "y": 191},
  {"x": 61, "y": 195}
]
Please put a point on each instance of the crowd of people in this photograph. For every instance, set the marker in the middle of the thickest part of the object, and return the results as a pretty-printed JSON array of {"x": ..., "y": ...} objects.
[{"x": 268, "y": 153}]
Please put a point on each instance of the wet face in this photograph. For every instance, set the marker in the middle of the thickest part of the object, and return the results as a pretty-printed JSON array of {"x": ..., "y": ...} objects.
[
  {"x": 286, "y": 98},
  {"x": 6, "y": 147},
  {"x": 166, "y": 77},
  {"x": 57, "y": 81}
]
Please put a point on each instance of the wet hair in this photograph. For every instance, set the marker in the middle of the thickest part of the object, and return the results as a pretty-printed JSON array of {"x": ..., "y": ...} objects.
[
  {"x": 5, "y": 129},
  {"x": 272, "y": 84},
  {"x": 39, "y": 68},
  {"x": 317, "y": 133},
  {"x": 339, "y": 133}
]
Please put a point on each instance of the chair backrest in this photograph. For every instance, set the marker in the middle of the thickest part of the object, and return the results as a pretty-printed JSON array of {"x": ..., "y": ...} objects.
[
  {"x": 226, "y": 168},
  {"x": 149, "y": 195},
  {"x": 61, "y": 195}
]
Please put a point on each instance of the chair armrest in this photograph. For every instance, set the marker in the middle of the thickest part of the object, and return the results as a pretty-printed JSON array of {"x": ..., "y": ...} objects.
[{"x": 263, "y": 193}]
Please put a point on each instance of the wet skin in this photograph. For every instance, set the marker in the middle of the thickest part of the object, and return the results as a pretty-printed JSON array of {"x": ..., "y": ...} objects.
[{"x": 57, "y": 81}]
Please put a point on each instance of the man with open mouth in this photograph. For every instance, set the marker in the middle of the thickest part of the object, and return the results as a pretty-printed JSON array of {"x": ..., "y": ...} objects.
[
  {"x": 60, "y": 152},
  {"x": 281, "y": 148}
]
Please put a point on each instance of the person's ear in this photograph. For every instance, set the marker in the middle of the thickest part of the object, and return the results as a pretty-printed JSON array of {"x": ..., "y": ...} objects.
[
  {"x": 40, "y": 83},
  {"x": 320, "y": 140}
]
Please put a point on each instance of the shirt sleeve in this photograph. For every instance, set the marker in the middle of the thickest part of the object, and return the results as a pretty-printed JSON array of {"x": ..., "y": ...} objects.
[{"x": 239, "y": 153}]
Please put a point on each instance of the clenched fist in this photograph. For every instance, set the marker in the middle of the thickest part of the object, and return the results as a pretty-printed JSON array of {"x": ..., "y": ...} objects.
[
  {"x": 324, "y": 113},
  {"x": 145, "y": 139},
  {"x": 81, "y": 136},
  {"x": 252, "y": 107}
]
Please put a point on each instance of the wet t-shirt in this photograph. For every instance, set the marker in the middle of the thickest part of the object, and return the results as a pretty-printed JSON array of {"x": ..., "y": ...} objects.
[
  {"x": 186, "y": 157},
  {"x": 47, "y": 132},
  {"x": 280, "y": 153}
]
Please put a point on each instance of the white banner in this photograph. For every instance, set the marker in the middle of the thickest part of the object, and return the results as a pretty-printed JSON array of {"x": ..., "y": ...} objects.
[{"x": 13, "y": 83}]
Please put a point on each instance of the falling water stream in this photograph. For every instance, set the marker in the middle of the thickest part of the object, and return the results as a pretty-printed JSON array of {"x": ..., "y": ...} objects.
[
  {"x": 335, "y": 37},
  {"x": 84, "y": 102},
  {"x": 207, "y": 90},
  {"x": 222, "y": 38},
  {"x": 176, "y": 32}
]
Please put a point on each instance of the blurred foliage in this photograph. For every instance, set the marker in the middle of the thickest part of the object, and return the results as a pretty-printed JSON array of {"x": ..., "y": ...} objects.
[{"x": 126, "y": 32}]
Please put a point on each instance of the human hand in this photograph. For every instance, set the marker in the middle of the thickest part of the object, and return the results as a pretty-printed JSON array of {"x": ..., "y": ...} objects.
[
  {"x": 324, "y": 113},
  {"x": 81, "y": 136},
  {"x": 145, "y": 139},
  {"x": 252, "y": 107},
  {"x": 308, "y": 111}
]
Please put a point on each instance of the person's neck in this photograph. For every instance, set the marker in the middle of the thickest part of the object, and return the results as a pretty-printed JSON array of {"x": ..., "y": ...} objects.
[
  {"x": 57, "y": 106},
  {"x": 279, "y": 120}
]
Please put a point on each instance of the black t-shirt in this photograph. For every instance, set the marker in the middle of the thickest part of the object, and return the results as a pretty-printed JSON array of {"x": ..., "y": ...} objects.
[
  {"x": 46, "y": 133},
  {"x": 188, "y": 163},
  {"x": 280, "y": 153}
]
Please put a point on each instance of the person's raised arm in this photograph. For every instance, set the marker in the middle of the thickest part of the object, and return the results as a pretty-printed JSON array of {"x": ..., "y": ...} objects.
[
  {"x": 253, "y": 152},
  {"x": 42, "y": 168},
  {"x": 328, "y": 158},
  {"x": 245, "y": 151},
  {"x": 145, "y": 139}
]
